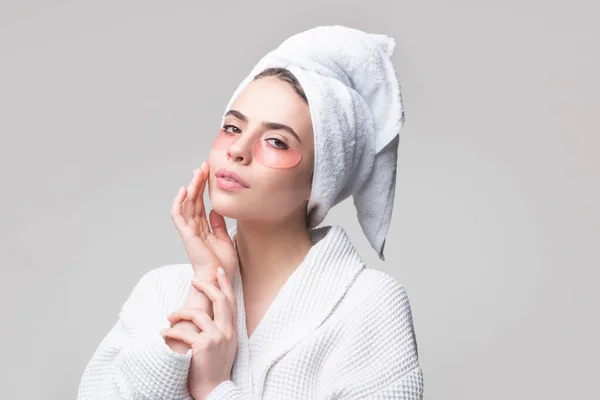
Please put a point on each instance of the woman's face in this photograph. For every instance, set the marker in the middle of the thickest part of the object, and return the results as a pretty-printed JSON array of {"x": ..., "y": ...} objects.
[{"x": 275, "y": 164}]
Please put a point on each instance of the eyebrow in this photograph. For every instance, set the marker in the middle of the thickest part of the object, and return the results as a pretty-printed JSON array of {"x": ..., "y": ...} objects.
[{"x": 265, "y": 124}]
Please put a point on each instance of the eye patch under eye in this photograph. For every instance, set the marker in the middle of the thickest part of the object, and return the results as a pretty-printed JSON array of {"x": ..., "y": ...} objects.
[{"x": 264, "y": 153}]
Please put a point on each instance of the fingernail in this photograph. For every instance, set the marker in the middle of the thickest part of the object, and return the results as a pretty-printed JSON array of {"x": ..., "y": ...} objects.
[
  {"x": 203, "y": 164},
  {"x": 221, "y": 270},
  {"x": 195, "y": 170},
  {"x": 180, "y": 190}
]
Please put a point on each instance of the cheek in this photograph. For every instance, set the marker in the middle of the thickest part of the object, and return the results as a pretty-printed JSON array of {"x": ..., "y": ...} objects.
[
  {"x": 217, "y": 159},
  {"x": 224, "y": 140},
  {"x": 285, "y": 184},
  {"x": 213, "y": 156}
]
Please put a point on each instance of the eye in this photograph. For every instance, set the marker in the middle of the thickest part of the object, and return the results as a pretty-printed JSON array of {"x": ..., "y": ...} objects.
[
  {"x": 229, "y": 126},
  {"x": 278, "y": 144}
]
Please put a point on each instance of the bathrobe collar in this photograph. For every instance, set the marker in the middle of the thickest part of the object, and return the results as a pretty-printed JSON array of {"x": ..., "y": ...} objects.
[{"x": 302, "y": 304}]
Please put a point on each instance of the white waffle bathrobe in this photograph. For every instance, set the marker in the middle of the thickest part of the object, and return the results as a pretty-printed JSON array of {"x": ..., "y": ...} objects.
[{"x": 336, "y": 330}]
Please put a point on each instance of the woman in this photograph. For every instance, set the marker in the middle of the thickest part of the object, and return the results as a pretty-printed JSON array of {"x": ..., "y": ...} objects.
[{"x": 278, "y": 308}]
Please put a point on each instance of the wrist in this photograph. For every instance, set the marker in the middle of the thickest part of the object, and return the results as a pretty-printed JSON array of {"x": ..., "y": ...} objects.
[
  {"x": 198, "y": 299},
  {"x": 209, "y": 276}
]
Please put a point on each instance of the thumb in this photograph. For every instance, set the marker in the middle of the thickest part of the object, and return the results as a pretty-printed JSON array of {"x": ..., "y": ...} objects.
[{"x": 219, "y": 228}]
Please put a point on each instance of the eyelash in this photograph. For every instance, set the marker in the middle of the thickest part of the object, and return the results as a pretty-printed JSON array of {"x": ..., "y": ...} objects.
[{"x": 277, "y": 147}]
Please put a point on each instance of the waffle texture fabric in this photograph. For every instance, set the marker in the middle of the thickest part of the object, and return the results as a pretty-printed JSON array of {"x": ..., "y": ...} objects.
[{"x": 335, "y": 330}]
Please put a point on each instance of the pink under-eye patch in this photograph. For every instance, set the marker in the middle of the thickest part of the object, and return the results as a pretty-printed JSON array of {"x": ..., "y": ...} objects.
[
  {"x": 224, "y": 140},
  {"x": 264, "y": 153},
  {"x": 276, "y": 158}
]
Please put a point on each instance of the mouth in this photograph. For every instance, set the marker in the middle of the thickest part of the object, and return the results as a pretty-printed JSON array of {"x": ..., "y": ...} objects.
[{"x": 227, "y": 179}]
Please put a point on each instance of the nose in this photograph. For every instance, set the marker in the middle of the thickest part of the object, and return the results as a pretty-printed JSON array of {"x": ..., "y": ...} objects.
[{"x": 241, "y": 150}]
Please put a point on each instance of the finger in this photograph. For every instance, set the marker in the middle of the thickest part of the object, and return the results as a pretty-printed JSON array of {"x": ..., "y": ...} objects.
[
  {"x": 189, "y": 202},
  {"x": 185, "y": 335},
  {"x": 199, "y": 317},
  {"x": 219, "y": 227},
  {"x": 200, "y": 209},
  {"x": 221, "y": 307},
  {"x": 227, "y": 289},
  {"x": 176, "y": 209}
]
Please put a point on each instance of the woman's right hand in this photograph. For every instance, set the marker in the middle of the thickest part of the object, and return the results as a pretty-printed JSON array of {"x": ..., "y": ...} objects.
[{"x": 206, "y": 250}]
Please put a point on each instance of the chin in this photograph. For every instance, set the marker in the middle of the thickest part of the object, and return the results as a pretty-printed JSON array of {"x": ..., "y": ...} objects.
[{"x": 230, "y": 207}]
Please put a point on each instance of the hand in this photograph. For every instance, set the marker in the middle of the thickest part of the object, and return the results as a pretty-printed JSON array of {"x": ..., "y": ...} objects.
[
  {"x": 215, "y": 347},
  {"x": 206, "y": 250}
]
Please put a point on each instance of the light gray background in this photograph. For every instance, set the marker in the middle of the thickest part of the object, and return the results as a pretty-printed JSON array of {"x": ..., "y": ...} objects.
[{"x": 107, "y": 106}]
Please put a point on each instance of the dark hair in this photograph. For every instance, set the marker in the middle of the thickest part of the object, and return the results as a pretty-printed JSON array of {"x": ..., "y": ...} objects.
[{"x": 286, "y": 76}]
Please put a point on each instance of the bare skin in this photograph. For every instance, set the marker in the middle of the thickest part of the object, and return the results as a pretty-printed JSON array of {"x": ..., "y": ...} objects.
[
  {"x": 202, "y": 246},
  {"x": 272, "y": 238}
]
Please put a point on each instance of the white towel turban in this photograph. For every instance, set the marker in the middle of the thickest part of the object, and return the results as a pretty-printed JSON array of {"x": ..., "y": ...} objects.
[{"x": 356, "y": 108}]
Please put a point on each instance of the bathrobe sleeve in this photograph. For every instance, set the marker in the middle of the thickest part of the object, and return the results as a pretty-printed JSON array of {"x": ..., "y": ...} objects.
[
  {"x": 133, "y": 361},
  {"x": 227, "y": 390}
]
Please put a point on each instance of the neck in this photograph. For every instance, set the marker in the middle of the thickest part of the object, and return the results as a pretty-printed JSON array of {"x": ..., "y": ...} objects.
[{"x": 270, "y": 251}]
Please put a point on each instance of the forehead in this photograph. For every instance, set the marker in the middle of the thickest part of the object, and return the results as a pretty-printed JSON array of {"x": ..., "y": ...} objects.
[{"x": 273, "y": 100}]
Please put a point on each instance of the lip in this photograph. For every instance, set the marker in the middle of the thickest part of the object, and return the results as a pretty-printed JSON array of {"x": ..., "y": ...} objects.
[{"x": 227, "y": 184}]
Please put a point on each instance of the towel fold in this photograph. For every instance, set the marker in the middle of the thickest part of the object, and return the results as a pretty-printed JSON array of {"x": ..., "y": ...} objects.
[{"x": 355, "y": 103}]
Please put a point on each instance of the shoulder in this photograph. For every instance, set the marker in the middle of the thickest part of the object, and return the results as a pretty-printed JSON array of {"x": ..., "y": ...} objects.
[
  {"x": 158, "y": 288},
  {"x": 172, "y": 273},
  {"x": 381, "y": 292},
  {"x": 378, "y": 339},
  {"x": 377, "y": 302},
  {"x": 371, "y": 276},
  {"x": 165, "y": 275}
]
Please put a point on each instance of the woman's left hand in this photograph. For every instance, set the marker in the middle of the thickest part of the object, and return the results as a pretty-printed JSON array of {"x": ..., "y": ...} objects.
[{"x": 215, "y": 347}]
